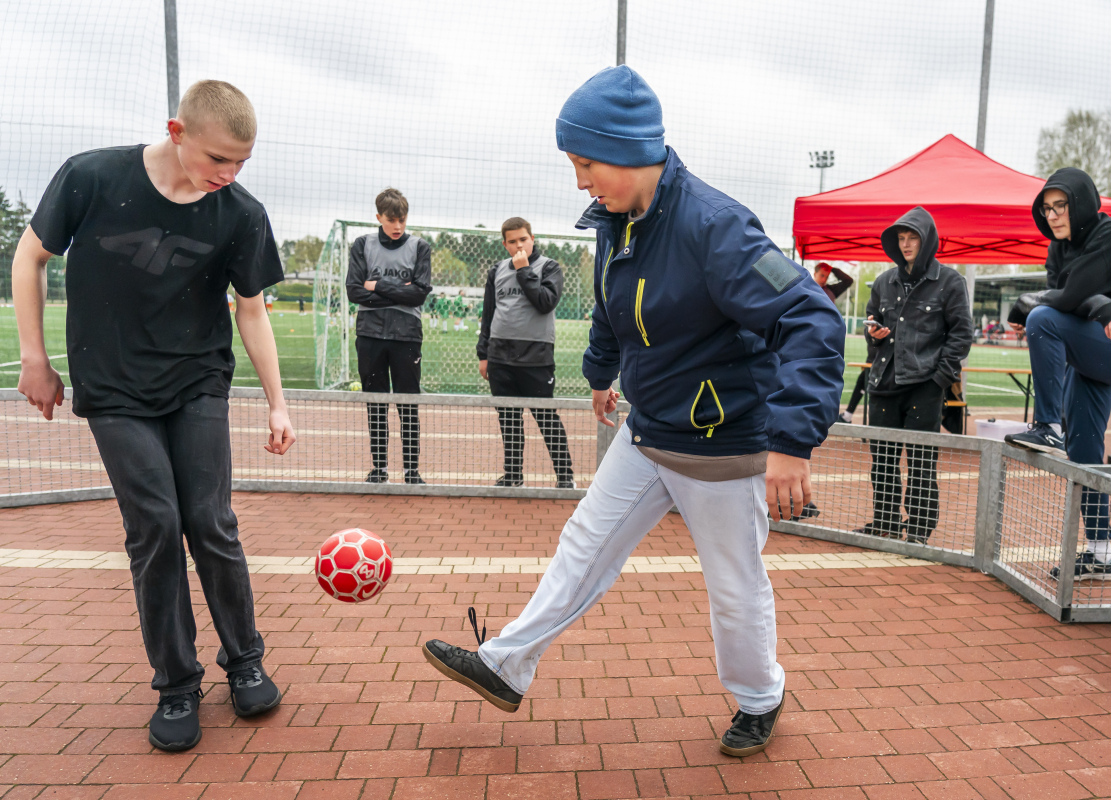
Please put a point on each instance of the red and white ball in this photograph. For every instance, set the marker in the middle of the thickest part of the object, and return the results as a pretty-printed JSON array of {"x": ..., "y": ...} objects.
[{"x": 353, "y": 565}]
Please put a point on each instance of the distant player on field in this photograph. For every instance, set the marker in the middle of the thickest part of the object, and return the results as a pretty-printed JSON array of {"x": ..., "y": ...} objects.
[
  {"x": 732, "y": 360},
  {"x": 145, "y": 227}
]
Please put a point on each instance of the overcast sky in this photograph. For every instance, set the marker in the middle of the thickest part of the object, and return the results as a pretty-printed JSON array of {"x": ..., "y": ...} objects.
[{"x": 455, "y": 103}]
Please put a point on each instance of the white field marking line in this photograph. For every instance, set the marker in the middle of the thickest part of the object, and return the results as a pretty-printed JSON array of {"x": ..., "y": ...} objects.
[
  {"x": 314, "y": 431},
  {"x": 997, "y": 389},
  {"x": 463, "y": 565},
  {"x": 278, "y": 473},
  {"x": 17, "y": 363}
]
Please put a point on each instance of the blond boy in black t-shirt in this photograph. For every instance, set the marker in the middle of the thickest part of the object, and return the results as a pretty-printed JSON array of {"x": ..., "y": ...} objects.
[{"x": 154, "y": 236}]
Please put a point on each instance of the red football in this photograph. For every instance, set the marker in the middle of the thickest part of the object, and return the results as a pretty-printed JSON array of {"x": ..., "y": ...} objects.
[{"x": 353, "y": 565}]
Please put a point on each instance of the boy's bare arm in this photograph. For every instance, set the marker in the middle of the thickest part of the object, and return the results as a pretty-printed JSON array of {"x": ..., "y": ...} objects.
[
  {"x": 258, "y": 339},
  {"x": 39, "y": 382}
]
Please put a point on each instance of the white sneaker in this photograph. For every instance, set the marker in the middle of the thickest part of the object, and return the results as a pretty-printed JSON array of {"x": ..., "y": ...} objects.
[{"x": 845, "y": 416}]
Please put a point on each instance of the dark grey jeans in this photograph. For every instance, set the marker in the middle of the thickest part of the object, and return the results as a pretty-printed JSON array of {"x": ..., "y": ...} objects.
[{"x": 172, "y": 478}]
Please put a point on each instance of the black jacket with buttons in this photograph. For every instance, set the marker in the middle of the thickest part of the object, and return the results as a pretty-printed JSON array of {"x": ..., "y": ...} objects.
[{"x": 926, "y": 308}]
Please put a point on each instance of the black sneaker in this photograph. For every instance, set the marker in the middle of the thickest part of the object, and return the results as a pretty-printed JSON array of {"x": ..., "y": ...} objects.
[
  {"x": 1087, "y": 568},
  {"x": 809, "y": 510},
  {"x": 467, "y": 668},
  {"x": 872, "y": 529},
  {"x": 564, "y": 483},
  {"x": 413, "y": 478},
  {"x": 749, "y": 733},
  {"x": 510, "y": 480},
  {"x": 1040, "y": 437},
  {"x": 377, "y": 475},
  {"x": 252, "y": 691},
  {"x": 176, "y": 725}
]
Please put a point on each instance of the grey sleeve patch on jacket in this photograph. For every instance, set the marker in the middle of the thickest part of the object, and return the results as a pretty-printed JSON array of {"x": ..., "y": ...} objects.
[{"x": 777, "y": 269}]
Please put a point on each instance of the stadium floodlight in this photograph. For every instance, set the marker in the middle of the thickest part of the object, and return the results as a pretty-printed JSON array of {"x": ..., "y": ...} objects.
[{"x": 821, "y": 160}]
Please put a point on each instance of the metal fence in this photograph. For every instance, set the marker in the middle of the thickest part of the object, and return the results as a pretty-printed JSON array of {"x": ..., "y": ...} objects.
[{"x": 1013, "y": 514}]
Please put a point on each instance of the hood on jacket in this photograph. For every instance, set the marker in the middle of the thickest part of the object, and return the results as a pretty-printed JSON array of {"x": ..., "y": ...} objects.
[
  {"x": 918, "y": 220},
  {"x": 1084, "y": 203}
]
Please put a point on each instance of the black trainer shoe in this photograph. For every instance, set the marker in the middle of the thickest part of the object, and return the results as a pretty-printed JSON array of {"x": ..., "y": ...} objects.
[
  {"x": 377, "y": 475},
  {"x": 413, "y": 478},
  {"x": 510, "y": 480},
  {"x": 1087, "y": 568},
  {"x": 176, "y": 725},
  {"x": 1040, "y": 437},
  {"x": 564, "y": 483},
  {"x": 467, "y": 668},
  {"x": 749, "y": 733},
  {"x": 808, "y": 510},
  {"x": 252, "y": 691},
  {"x": 872, "y": 529}
]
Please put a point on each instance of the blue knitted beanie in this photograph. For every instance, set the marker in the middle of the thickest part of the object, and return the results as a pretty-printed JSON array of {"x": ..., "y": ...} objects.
[{"x": 615, "y": 118}]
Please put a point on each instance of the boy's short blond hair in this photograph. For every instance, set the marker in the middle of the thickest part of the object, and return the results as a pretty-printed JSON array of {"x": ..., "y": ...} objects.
[
  {"x": 207, "y": 101},
  {"x": 515, "y": 224},
  {"x": 392, "y": 204}
]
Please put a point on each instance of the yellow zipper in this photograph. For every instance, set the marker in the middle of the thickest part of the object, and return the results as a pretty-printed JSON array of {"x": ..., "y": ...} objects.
[
  {"x": 628, "y": 233},
  {"x": 640, "y": 319},
  {"x": 717, "y": 402},
  {"x": 605, "y": 269}
]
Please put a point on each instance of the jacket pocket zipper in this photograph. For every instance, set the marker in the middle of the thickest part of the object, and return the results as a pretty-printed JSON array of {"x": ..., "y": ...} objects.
[
  {"x": 640, "y": 319},
  {"x": 721, "y": 413},
  {"x": 605, "y": 269}
]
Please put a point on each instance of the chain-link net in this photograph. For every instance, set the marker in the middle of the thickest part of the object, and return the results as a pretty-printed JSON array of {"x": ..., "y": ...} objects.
[
  {"x": 896, "y": 490},
  {"x": 452, "y": 314},
  {"x": 536, "y": 444},
  {"x": 47, "y": 456},
  {"x": 1032, "y": 510}
]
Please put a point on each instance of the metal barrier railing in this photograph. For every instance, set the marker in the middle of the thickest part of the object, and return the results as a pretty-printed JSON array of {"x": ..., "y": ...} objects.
[
  {"x": 963, "y": 500},
  {"x": 461, "y": 447}
]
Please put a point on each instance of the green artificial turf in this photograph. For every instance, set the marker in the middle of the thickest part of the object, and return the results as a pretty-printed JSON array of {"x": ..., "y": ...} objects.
[{"x": 450, "y": 364}]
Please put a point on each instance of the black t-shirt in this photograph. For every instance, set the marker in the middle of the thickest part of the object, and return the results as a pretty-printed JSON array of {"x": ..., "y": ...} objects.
[{"x": 148, "y": 326}]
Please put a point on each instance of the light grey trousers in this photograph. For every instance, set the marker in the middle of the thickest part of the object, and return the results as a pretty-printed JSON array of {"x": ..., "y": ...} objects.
[{"x": 628, "y": 498}]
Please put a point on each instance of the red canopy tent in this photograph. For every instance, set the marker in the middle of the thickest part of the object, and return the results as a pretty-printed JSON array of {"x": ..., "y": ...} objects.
[{"x": 982, "y": 210}]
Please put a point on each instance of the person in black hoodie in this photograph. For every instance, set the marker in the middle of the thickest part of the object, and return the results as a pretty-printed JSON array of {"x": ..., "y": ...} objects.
[
  {"x": 923, "y": 331},
  {"x": 1068, "y": 327},
  {"x": 516, "y": 348}
]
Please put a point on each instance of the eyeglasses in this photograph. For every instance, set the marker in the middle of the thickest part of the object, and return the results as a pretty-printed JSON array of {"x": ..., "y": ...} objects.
[{"x": 1057, "y": 209}]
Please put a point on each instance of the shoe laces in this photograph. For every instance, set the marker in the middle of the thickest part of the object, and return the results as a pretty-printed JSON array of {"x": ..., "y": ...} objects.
[
  {"x": 246, "y": 678},
  {"x": 473, "y": 618},
  {"x": 176, "y": 706},
  {"x": 746, "y": 724}
]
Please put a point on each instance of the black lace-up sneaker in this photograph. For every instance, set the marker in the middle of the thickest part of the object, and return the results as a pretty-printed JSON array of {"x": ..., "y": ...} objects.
[
  {"x": 413, "y": 478},
  {"x": 252, "y": 691},
  {"x": 809, "y": 510},
  {"x": 509, "y": 480},
  {"x": 176, "y": 725},
  {"x": 749, "y": 733},
  {"x": 1040, "y": 437},
  {"x": 467, "y": 668},
  {"x": 565, "y": 483},
  {"x": 1087, "y": 567},
  {"x": 377, "y": 475}
]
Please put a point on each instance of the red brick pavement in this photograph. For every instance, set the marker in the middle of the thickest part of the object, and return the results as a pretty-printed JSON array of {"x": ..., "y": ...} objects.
[{"x": 915, "y": 682}]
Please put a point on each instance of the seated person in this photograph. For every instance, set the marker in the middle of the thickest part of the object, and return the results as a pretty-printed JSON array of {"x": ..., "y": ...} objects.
[{"x": 1069, "y": 330}]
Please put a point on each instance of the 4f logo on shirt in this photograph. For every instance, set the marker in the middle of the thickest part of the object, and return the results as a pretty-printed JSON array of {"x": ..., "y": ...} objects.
[{"x": 150, "y": 252}]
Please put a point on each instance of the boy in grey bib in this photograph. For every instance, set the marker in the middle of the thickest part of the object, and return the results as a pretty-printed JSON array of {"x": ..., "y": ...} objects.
[
  {"x": 388, "y": 277},
  {"x": 516, "y": 348}
]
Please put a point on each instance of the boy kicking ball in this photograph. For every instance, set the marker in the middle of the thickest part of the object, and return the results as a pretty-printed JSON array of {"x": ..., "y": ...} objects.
[
  {"x": 155, "y": 234},
  {"x": 732, "y": 360}
]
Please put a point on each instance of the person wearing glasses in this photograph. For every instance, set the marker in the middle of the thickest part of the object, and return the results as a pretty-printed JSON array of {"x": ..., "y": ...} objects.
[{"x": 1068, "y": 328}]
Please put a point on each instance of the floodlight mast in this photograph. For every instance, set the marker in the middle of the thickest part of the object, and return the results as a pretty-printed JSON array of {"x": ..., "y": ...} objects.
[{"x": 821, "y": 160}]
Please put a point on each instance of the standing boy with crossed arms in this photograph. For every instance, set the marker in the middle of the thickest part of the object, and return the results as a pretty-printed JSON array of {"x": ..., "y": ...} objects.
[{"x": 155, "y": 234}]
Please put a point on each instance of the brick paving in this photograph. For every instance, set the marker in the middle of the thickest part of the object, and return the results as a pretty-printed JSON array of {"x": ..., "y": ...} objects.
[{"x": 903, "y": 682}]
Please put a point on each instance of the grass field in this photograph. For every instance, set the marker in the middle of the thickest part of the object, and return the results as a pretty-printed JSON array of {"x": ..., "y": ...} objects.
[{"x": 450, "y": 364}]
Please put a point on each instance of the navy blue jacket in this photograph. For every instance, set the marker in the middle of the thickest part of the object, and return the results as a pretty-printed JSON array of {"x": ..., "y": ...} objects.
[{"x": 723, "y": 344}]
